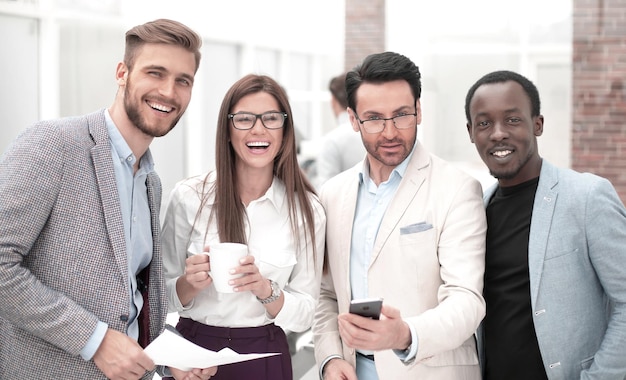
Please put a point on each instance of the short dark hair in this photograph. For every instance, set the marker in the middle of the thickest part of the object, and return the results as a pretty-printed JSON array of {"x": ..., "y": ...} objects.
[
  {"x": 380, "y": 68},
  {"x": 337, "y": 88},
  {"x": 161, "y": 31},
  {"x": 505, "y": 76}
]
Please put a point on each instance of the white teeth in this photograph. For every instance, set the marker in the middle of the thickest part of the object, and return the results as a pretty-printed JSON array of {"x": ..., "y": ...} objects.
[
  {"x": 502, "y": 153},
  {"x": 160, "y": 107},
  {"x": 262, "y": 144}
]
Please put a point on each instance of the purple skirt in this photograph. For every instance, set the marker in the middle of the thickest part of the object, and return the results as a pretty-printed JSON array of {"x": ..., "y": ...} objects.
[{"x": 245, "y": 340}]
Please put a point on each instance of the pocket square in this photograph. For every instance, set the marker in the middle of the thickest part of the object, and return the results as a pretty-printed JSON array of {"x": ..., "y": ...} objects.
[{"x": 413, "y": 228}]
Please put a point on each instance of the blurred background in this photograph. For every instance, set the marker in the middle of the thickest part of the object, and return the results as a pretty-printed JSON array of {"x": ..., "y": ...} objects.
[{"x": 59, "y": 59}]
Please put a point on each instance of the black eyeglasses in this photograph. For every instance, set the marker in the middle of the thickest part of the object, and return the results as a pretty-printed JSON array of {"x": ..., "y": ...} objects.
[
  {"x": 376, "y": 124},
  {"x": 246, "y": 120}
]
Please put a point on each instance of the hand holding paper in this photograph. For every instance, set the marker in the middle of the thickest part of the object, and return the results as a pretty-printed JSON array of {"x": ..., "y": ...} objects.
[{"x": 172, "y": 350}]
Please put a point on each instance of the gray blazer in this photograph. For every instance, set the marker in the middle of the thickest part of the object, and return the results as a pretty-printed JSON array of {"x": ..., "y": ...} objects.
[
  {"x": 577, "y": 265},
  {"x": 63, "y": 259}
]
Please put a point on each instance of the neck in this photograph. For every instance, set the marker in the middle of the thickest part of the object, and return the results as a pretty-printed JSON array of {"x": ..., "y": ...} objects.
[
  {"x": 378, "y": 172},
  {"x": 253, "y": 184},
  {"x": 138, "y": 141}
]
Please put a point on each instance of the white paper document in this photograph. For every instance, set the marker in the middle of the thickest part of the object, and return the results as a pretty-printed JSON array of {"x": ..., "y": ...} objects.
[{"x": 172, "y": 350}]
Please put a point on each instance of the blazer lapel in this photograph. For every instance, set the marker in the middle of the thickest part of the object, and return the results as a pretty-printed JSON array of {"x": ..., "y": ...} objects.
[
  {"x": 107, "y": 186},
  {"x": 541, "y": 221},
  {"x": 413, "y": 179},
  {"x": 348, "y": 209},
  {"x": 156, "y": 296}
]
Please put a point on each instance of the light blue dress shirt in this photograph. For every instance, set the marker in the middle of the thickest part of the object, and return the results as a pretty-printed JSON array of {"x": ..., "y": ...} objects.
[
  {"x": 133, "y": 193},
  {"x": 372, "y": 203}
]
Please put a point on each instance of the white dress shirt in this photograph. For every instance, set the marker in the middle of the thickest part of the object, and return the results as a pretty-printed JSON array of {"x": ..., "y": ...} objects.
[{"x": 269, "y": 240}]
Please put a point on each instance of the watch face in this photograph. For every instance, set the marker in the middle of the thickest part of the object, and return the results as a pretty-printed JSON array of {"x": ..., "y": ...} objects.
[
  {"x": 275, "y": 293},
  {"x": 275, "y": 289}
]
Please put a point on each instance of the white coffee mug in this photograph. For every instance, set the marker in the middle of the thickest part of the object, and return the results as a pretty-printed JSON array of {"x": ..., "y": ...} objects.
[{"x": 224, "y": 257}]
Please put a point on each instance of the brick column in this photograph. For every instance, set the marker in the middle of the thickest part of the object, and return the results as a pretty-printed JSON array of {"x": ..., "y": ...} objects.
[
  {"x": 599, "y": 90},
  {"x": 365, "y": 30}
]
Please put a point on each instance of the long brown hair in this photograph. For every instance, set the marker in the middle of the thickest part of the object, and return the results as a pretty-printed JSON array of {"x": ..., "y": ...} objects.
[{"x": 228, "y": 207}]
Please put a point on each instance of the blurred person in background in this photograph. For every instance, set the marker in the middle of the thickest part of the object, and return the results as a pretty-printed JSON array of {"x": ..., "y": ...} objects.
[
  {"x": 257, "y": 196},
  {"x": 341, "y": 148}
]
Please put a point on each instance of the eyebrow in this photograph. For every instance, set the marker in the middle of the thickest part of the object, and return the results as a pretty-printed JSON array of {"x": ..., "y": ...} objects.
[
  {"x": 162, "y": 68},
  {"x": 399, "y": 109}
]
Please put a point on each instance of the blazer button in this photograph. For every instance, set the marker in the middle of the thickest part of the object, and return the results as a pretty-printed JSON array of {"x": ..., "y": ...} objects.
[{"x": 124, "y": 318}]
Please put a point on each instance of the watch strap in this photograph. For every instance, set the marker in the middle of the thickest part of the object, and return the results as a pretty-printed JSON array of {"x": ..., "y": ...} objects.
[{"x": 275, "y": 293}]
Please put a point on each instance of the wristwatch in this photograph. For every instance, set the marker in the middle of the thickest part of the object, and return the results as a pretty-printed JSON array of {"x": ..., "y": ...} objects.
[{"x": 275, "y": 293}]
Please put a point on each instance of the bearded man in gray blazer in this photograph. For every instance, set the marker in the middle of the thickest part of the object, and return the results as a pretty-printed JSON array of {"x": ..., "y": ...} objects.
[
  {"x": 81, "y": 278},
  {"x": 555, "y": 273}
]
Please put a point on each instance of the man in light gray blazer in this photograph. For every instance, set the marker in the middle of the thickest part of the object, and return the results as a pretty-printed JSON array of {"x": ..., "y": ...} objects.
[
  {"x": 81, "y": 278},
  {"x": 555, "y": 273}
]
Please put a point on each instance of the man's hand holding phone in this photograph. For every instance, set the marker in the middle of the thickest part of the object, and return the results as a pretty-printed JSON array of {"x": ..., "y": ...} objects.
[
  {"x": 367, "y": 333},
  {"x": 367, "y": 307}
]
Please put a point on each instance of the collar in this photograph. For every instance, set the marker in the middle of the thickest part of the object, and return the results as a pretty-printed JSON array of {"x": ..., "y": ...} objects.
[
  {"x": 121, "y": 148},
  {"x": 276, "y": 194}
]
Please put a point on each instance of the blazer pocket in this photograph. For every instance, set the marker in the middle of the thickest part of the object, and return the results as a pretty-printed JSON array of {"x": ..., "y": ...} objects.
[
  {"x": 552, "y": 254},
  {"x": 585, "y": 364},
  {"x": 415, "y": 228},
  {"x": 424, "y": 238},
  {"x": 464, "y": 355}
]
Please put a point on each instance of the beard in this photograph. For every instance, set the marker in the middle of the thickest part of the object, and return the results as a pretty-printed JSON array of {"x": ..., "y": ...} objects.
[
  {"x": 511, "y": 173},
  {"x": 135, "y": 117},
  {"x": 394, "y": 160}
]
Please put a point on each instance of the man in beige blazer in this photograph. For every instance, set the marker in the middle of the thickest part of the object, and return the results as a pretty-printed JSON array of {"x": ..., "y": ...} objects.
[{"x": 404, "y": 226}]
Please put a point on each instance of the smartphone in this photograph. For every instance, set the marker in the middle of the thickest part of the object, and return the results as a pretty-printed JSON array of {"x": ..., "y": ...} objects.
[{"x": 368, "y": 307}]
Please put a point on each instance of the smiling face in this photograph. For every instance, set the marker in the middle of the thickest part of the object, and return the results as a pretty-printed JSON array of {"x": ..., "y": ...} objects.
[
  {"x": 157, "y": 89},
  {"x": 505, "y": 133},
  {"x": 386, "y": 149},
  {"x": 256, "y": 148}
]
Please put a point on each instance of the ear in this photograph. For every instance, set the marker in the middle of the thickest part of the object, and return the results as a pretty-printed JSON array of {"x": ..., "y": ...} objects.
[
  {"x": 121, "y": 74},
  {"x": 469, "y": 132},
  {"x": 353, "y": 121},
  {"x": 418, "y": 111},
  {"x": 538, "y": 125}
]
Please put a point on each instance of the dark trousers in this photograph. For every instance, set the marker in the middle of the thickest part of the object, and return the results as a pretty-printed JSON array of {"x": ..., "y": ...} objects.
[{"x": 248, "y": 340}]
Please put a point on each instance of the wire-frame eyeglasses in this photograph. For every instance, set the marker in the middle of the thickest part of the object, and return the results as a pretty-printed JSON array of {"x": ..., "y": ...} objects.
[{"x": 377, "y": 124}]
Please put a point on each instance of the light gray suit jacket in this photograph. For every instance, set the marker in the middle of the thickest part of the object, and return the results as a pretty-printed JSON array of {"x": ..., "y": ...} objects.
[
  {"x": 577, "y": 265},
  {"x": 63, "y": 259},
  {"x": 428, "y": 261}
]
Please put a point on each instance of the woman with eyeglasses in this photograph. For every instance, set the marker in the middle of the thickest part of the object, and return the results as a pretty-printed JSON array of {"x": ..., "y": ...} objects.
[{"x": 256, "y": 196}]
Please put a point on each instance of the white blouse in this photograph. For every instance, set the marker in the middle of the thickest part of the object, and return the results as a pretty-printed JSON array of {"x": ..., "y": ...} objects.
[{"x": 270, "y": 241}]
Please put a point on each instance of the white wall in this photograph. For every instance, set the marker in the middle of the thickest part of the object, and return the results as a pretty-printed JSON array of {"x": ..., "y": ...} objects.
[
  {"x": 63, "y": 55},
  {"x": 455, "y": 42},
  {"x": 19, "y": 101}
]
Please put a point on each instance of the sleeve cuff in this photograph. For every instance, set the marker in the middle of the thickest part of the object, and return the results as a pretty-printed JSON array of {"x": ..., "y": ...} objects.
[
  {"x": 409, "y": 354},
  {"x": 94, "y": 341},
  {"x": 331, "y": 357},
  {"x": 174, "y": 300}
]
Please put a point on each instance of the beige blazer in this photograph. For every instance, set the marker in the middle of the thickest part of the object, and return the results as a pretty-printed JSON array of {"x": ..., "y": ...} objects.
[{"x": 428, "y": 261}]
